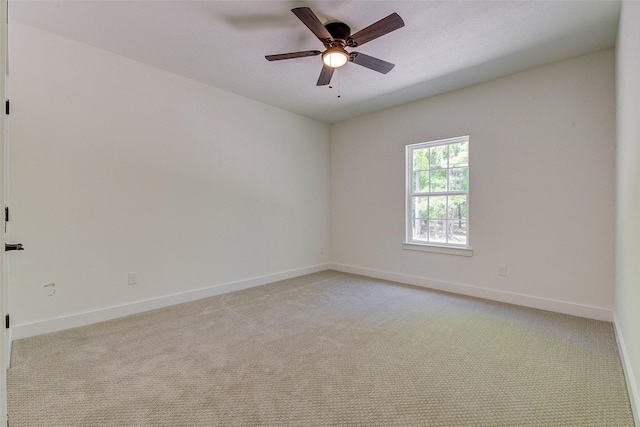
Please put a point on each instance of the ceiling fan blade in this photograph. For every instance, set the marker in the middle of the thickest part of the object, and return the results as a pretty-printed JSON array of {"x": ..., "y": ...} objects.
[
  {"x": 370, "y": 62},
  {"x": 375, "y": 30},
  {"x": 310, "y": 19},
  {"x": 292, "y": 55},
  {"x": 325, "y": 76}
]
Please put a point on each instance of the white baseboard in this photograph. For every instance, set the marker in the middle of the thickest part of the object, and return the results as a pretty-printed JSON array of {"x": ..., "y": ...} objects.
[
  {"x": 589, "y": 312},
  {"x": 634, "y": 393},
  {"x": 87, "y": 318}
]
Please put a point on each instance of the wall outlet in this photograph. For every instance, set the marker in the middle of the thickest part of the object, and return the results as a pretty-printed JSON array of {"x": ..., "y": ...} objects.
[
  {"x": 133, "y": 278},
  {"x": 502, "y": 270}
]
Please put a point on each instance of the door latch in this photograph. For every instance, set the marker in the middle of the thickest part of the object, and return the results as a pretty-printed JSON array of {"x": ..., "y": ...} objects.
[{"x": 13, "y": 247}]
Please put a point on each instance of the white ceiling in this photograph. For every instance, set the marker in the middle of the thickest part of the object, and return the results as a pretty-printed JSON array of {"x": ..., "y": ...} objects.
[{"x": 444, "y": 45}]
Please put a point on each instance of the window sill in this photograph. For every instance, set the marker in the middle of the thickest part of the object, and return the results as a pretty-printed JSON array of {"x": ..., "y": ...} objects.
[{"x": 447, "y": 250}]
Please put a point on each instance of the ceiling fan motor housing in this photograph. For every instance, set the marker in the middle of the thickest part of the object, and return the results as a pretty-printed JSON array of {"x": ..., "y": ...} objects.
[{"x": 338, "y": 30}]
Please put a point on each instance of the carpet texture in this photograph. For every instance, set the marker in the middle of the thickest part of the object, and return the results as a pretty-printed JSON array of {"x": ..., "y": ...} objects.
[{"x": 327, "y": 349}]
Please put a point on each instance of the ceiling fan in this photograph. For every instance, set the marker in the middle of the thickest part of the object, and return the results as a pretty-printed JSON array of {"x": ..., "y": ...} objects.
[{"x": 336, "y": 36}]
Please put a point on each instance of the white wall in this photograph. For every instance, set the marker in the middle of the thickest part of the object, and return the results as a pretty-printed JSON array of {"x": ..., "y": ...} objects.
[
  {"x": 542, "y": 181},
  {"x": 628, "y": 194},
  {"x": 118, "y": 167}
]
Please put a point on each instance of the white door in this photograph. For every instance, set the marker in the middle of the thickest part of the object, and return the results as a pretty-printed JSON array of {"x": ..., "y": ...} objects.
[{"x": 4, "y": 342}]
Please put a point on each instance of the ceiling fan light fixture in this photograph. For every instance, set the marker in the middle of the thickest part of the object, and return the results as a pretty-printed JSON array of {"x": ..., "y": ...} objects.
[{"x": 335, "y": 57}]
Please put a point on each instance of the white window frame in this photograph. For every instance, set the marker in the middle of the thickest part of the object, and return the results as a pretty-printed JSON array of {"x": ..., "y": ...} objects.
[{"x": 418, "y": 244}]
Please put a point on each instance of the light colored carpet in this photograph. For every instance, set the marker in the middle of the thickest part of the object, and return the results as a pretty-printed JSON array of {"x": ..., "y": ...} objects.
[{"x": 328, "y": 349}]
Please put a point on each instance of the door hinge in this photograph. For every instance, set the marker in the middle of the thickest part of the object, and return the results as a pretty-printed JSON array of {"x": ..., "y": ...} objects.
[
  {"x": 6, "y": 321},
  {"x": 6, "y": 214},
  {"x": 6, "y": 107}
]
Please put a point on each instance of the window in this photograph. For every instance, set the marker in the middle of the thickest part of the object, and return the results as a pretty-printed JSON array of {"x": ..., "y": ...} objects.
[{"x": 438, "y": 193}]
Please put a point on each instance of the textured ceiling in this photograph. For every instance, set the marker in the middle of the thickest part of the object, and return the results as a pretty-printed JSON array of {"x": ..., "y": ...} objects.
[{"x": 444, "y": 45}]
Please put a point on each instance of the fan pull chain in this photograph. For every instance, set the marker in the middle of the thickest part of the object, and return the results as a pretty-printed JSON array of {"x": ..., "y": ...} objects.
[{"x": 331, "y": 86}]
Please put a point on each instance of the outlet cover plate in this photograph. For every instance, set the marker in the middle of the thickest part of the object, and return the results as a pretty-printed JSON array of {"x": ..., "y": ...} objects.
[{"x": 133, "y": 278}]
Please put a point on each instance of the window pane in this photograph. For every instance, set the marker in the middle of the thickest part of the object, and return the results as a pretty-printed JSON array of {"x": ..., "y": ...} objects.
[
  {"x": 420, "y": 207},
  {"x": 458, "y": 207},
  {"x": 458, "y": 179},
  {"x": 421, "y": 182},
  {"x": 438, "y": 180},
  {"x": 458, "y": 232},
  {"x": 459, "y": 154},
  {"x": 437, "y": 206},
  {"x": 436, "y": 231},
  {"x": 420, "y": 229},
  {"x": 439, "y": 156},
  {"x": 420, "y": 159}
]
